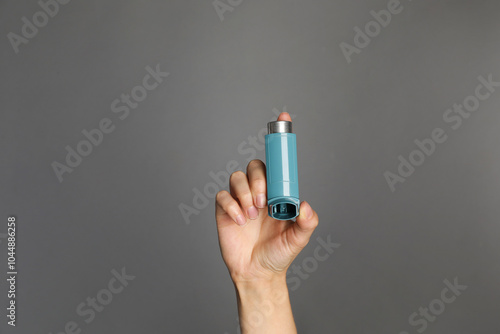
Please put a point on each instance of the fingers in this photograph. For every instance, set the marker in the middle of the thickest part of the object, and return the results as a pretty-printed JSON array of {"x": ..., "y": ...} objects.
[
  {"x": 247, "y": 194},
  {"x": 240, "y": 189},
  {"x": 284, "y": 116},
  {"x": 306, "y": 222},
  {"x": 256, "y": 171},
  {"x": 226, "y": 204}
]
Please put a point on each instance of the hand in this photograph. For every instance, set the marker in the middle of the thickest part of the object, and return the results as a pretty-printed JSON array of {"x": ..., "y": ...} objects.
[
  {"x": 258, "y": 249},
  {"x": 254, "y": 246}
]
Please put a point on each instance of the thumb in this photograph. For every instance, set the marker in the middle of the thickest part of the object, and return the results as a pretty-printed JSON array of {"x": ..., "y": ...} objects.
[{"x": 302, "y": 229}]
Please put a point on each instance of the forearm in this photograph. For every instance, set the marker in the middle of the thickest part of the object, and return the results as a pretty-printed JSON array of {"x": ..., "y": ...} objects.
[{"x": 264, "y": 307}]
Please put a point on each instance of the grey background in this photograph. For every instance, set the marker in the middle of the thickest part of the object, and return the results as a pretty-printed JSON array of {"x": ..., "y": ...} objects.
[{"x": 120, "y": 207}]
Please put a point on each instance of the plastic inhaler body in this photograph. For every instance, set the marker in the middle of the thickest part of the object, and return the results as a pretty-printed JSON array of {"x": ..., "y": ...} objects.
[{"x": 282, "y": 177}]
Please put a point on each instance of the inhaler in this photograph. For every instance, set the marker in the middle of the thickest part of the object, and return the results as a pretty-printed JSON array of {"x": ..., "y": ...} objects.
[{"x": 282, "y": 177}]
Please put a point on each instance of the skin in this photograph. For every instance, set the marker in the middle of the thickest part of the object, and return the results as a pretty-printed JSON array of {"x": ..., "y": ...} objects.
[{"x": 258, "y": 249}]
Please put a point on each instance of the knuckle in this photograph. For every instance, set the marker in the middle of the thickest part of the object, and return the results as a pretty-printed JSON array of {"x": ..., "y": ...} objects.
[
  {"x": 258, "y": 185},
  {"x": 234, "y": 208},
  {"x": 245, "y": 196},
  {"x": 259, "y": 182}
]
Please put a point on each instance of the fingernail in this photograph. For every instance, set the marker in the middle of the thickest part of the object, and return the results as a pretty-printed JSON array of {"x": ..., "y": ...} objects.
[
  {"x": 261, "y": 201},
  {"x": 253, "y": 213},
  {"x": 241, "y": 220}
]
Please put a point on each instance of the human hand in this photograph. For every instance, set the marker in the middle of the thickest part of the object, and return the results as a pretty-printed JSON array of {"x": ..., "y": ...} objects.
[{"x": 254, "y": 246}]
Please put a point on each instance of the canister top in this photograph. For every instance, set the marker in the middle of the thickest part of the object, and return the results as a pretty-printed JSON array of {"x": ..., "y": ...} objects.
[{"x": 279, "y": 127}]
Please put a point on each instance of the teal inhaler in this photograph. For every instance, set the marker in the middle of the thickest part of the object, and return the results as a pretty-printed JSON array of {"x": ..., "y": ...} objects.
[{"x": 281, "y": 168}]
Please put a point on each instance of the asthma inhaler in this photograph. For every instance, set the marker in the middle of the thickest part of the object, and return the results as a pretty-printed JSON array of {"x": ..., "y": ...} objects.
[{"x": 282, "y": 177}]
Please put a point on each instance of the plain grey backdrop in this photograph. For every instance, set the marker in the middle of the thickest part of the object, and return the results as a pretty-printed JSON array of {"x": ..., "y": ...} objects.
[{"x": 231, "y": 70}]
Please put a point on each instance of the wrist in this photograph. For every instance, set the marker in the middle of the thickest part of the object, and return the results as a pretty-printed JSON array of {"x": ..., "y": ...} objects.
[
  {"x": 263, "y": 293},
  {"x": 261, "y": 283},
  {"x": 264, "y": 305}
]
